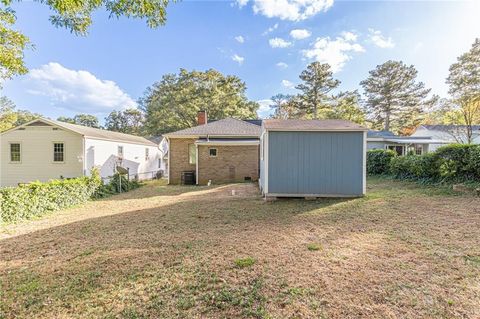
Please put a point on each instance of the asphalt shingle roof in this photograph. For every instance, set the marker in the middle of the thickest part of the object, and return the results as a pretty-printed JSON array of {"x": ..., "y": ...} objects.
[
  {"x": 224, "y": 127},
  {"x": 312, "y": 125},
  {"x": 450, "y": 127},
  {"x": 373, "y": 133},
  {"x": 99, "y": 133}
]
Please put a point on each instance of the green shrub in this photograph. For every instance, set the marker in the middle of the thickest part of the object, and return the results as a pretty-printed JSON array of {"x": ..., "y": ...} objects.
[
  {"x": 378, "y": 161},
  {"x": 37, "y": 198},
  {"x": 423, "y": 167},
  {"x": 459, "y": 162},
  {"x": 115, "y": 186}
]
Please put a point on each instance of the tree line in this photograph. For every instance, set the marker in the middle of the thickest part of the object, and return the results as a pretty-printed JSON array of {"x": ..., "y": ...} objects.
[{"x": 393, "y": 99}]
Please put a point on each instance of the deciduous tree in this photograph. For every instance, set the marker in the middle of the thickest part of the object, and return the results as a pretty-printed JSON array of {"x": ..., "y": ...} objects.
[
  {"x": 464, "y": 82},
  {"x": 129, "y": 121},
  {"x": 10, "y": 117},
  {"x": 346, "y": 106},
  {"x": 75, "y": 16},
  {"x": 173, "y": 103},
  {"x": 81, "y": 119}
]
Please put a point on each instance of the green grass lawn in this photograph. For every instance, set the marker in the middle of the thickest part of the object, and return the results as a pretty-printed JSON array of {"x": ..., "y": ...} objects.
[{"x": 402, "y": 251}]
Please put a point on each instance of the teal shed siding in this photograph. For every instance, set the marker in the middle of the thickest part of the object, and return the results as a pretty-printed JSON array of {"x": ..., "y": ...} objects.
[{"x": 316, "y": 163}]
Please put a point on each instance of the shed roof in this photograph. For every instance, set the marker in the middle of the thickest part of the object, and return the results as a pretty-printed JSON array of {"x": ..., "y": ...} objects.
[
  {"x": 224, "y": 127},
  {"x": 92, "y": 132},
  {"x": 312, "y": 125}
]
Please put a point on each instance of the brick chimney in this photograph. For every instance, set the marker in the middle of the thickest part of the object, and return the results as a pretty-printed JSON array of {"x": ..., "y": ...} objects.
[{"x": 202, "y": 117}]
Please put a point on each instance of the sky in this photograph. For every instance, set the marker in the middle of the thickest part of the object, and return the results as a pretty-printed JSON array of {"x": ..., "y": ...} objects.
[{"x": 267, "y": 43}]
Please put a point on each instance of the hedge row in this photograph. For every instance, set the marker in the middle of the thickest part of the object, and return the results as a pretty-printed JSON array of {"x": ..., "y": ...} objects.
[
  {"x": 456, "y": 162},
  {"x": 37, "y": 198}
]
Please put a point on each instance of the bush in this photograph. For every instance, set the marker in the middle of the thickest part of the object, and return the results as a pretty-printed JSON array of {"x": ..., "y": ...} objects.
[
  {"x": 456, "y": 162},
  {"x": 423, "y": 167},
  {"x": 115, "y": 186},
  {"x": 37, "y": 198},
  {"x": 459, "y": 162},
  {"x": 378, "y": 161}
]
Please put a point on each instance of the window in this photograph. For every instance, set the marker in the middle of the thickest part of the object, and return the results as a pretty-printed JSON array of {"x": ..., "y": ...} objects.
[
  {"x": 192, "y": 154},
  {"x": 15, "y": 152},
  {"x": 120, "y": 151},
  {"x": 146, "y": 153},
  {"x": 418, "y": 149},
  {"x": 213, "y": 152},
  {"x": 58, "y": 152},
  {"x": 159, "y": 163}
]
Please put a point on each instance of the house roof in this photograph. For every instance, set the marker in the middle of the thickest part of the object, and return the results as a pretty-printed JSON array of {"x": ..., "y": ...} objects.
[
  {"x": 373, "y": 133},
  {"x": 91, "y": 132},
  {"x": 450, "y": 127},
  {"x": 312, "y": 125},
  {"x": 224, "y": 127}
]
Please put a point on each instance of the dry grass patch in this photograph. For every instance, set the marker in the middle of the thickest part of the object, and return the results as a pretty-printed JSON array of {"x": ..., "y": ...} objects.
[{"x": 170, "y": 252}]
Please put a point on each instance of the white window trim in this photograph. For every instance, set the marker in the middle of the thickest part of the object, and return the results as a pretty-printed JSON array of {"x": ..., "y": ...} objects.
[
  {"x": 212, "y": 148},
  {"x": 10, "y": 153},
  {"x": 123, "y": 151},
  {"x": 196, "y": 152},
  {"x": 64, "y": 152},
  {"x": 147, "y": 154}
]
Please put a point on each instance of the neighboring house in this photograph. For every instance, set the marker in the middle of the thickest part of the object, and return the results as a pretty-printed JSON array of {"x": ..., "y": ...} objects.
[
  {"x": 312, "y": 158},
  {"x": 402, "y": 145},
  {"x": 447, "y": 134},
  {"x": 218, "y": 151},
  {"x": 162, "y": 143},
  {"x": 45, "y": 149}
]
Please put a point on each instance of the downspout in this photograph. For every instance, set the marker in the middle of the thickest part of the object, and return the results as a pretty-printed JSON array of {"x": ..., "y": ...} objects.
[
  {"x": 196, "y": 163},
  {"x": 84, "y": 157},
  {"x": 168, "y": 159}
]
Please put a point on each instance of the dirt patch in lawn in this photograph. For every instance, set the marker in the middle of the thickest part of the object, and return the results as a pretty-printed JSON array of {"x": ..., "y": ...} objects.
[{"x": 199, "y": 252}]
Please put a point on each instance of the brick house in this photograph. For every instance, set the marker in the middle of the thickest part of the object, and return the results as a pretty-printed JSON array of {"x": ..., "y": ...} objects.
[{"x": 219, "y": 151}]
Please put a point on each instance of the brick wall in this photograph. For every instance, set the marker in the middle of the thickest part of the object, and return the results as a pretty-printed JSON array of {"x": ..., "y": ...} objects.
[
  {"x": 179, "y": 158},
  {"x": 232, "y": 164}
]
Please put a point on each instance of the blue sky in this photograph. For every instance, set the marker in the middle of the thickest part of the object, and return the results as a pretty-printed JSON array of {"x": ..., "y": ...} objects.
[{"x": 265, "y": 43}]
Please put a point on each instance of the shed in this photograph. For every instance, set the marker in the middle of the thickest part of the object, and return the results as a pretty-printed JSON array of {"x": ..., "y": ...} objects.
[{"x": 312, "y": 158}]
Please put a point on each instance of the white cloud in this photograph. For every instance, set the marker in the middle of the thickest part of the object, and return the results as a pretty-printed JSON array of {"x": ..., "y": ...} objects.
[
  {"x": 265, "y": 110},
  {"x": 279, "y": 43},
  {"x": 334, "y": 52},
  {"x": 238, "y": 59},
  {"x": 240, "y": 3},
  {"x": 379, "y": 40},
  {"x": 288, "y": 84},
  {"x": 271, "y": 29},
  {"x": 299, "y": 34},
  {"x": 77, "y": 90},
  {"x": 240, "y": 39},
  {"x": 293, "y": 10},
  {"x": 282, "y": 65}
]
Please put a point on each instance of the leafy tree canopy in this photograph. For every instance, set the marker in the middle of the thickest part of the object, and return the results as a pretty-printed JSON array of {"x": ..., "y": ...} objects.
[
  {"x": 346, "y": 106},
  {"x": 129, "y": 121},
  {"x": 81, "y": 119},
  {"x": 173, "y": 103},
  {"x": 74, "y": 15},
  {"x": 464, "y": 82},
  {"x": 394, "y": 98},
  {"x": 10, "y": 117}
]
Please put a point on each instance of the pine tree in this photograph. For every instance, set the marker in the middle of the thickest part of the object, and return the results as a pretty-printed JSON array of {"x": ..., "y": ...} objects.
[
  {"x": 317, "y": 84},
  {"x": 394, "y": 99}
]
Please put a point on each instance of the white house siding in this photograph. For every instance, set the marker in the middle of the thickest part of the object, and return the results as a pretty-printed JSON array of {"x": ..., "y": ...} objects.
[
  {"x": 103, "y": 154},
  {"x": 37, "y": 155}
]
